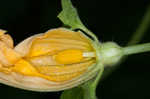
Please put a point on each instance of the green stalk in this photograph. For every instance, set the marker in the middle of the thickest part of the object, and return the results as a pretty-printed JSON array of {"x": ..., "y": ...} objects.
[
  {"x": 139, "y": 34},
  {"x": 140, "y": 48}
]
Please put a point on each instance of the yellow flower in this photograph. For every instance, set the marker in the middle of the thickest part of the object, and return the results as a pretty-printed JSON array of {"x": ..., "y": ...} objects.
[{"x": 55, "y": 60}]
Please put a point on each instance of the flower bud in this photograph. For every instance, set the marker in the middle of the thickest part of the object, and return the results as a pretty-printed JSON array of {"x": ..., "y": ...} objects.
[{"x": 56, "y": 60}]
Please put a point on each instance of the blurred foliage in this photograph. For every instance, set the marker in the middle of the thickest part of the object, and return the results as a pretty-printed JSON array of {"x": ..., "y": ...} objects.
[{"x": 111, "y": 20}]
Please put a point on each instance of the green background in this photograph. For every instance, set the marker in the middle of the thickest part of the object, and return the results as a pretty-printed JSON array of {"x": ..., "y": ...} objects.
[{"x": 111, "y": 20}]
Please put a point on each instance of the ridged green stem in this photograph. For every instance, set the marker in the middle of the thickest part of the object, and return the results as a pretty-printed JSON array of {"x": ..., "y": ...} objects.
[{"x": 134, "y": 49}]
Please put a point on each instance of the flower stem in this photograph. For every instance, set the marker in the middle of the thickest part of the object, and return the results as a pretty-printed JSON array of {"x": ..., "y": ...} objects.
[
  {"x": 136, "y": 49},
  {"x": 138, "y": 35}
]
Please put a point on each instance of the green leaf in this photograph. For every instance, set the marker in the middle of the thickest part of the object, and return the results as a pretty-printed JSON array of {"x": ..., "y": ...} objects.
[
  {"x": 74, "y": 93},
  {"x": 69, "y": 15}
]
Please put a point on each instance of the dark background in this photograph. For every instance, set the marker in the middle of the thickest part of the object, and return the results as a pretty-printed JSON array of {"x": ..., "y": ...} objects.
[{"x": 111, "y": 20}]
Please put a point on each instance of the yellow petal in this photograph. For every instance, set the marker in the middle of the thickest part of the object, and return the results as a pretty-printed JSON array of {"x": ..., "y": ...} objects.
[
  {"x": 27, "y": 69},
  {"x": 7, "y": 40},
  {"x": 2, "y": 32},
  {"x": 57, "y": 40},
  {"x": 7, "y": 55},
  {"x": 67, "y": 69}
]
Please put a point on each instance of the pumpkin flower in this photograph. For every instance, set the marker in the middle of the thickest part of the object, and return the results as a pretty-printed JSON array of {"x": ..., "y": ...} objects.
[{"x": 56, "y": 60}]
